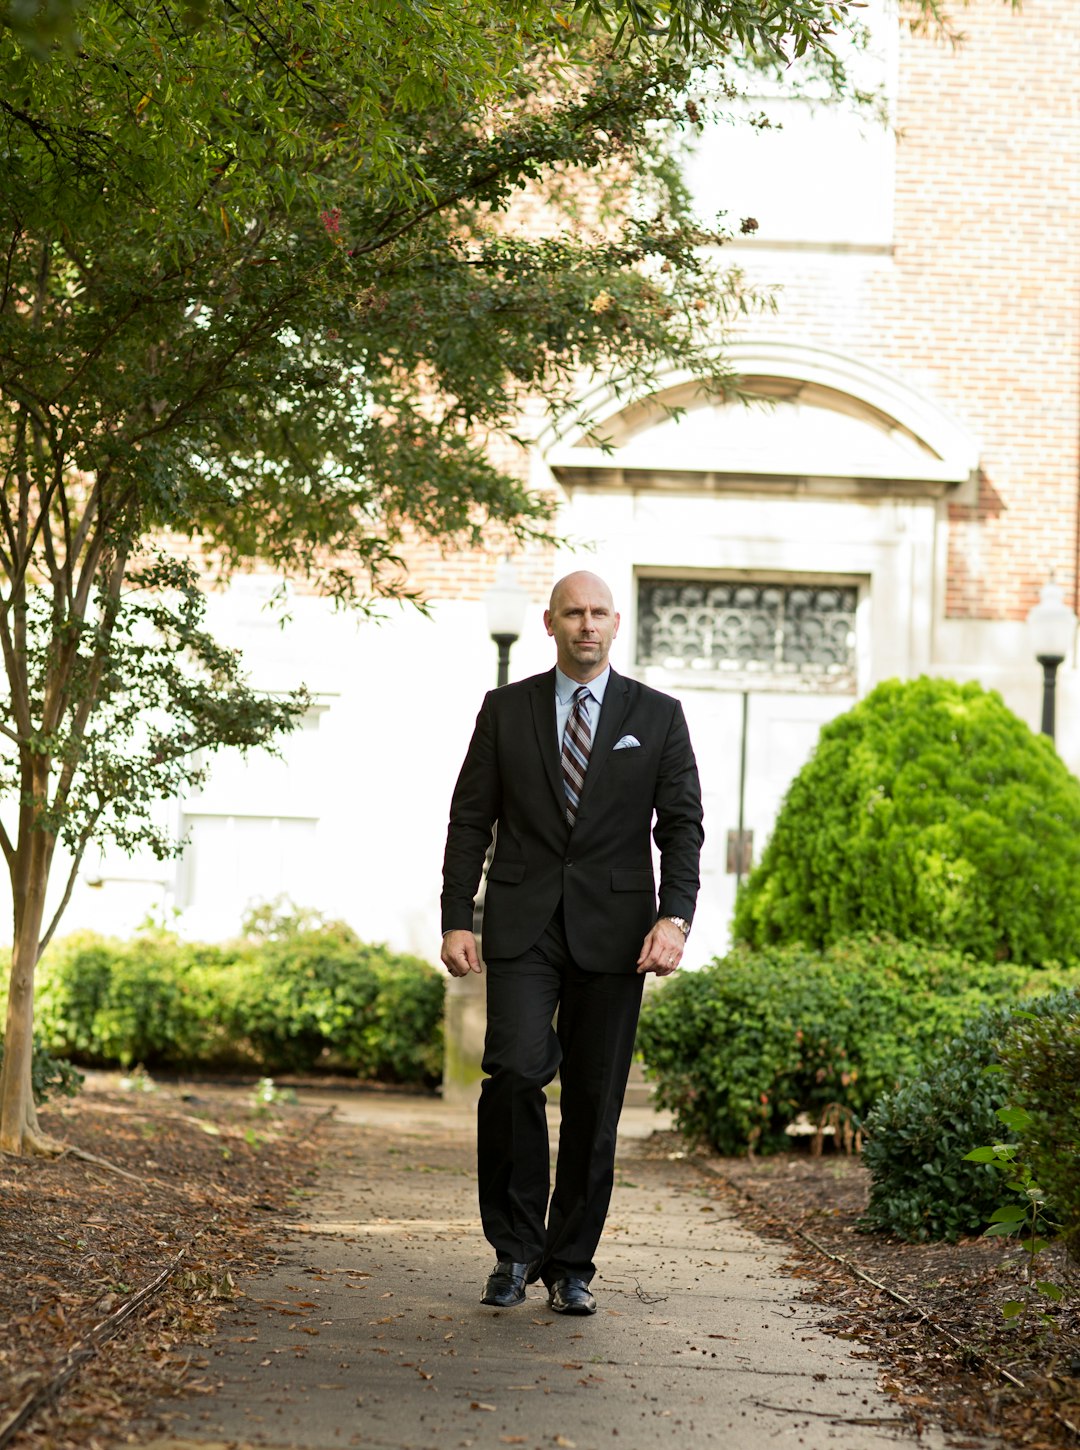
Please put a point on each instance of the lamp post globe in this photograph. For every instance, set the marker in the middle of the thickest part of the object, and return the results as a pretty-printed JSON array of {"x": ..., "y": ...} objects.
[
  {"x": 506, "y": 602},
  {"x": 1051, "y": 629}
]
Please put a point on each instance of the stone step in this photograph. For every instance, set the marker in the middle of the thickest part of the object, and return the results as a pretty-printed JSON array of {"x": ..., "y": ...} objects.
[{"x": 639, "y": 1093}]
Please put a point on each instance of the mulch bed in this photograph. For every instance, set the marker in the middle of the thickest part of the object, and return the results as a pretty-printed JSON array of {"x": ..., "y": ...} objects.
[
  {"x": 943, "y": 1352},
  {"x": 77, "y": 1241}
]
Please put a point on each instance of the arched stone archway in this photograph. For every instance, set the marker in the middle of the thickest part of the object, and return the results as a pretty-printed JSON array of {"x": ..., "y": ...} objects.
[{"x": 820, "y": 415}]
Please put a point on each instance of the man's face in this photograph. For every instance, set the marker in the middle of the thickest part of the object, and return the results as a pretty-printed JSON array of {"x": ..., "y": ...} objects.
[{"x": 582, "y": 621}]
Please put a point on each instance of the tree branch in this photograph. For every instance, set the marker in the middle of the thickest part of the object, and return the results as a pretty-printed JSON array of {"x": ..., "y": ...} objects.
[
  {"x": 13, "y": 247},
  {"x": 69, "y": 886},
  {"x": 7, "y": 519},
  {"x": 90, "y": 509},
  {"x": 56, "y": 702},
  {"x": 382, "y": 238}
]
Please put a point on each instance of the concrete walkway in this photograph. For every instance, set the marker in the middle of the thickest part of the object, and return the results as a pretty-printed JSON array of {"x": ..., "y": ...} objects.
[{"x": 368, "y": 1332}]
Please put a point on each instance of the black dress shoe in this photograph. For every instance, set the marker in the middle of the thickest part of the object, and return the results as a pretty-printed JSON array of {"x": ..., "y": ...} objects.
[
  {"x": 570, "y": 1295},
  {"x": 506, "y": 1283}
]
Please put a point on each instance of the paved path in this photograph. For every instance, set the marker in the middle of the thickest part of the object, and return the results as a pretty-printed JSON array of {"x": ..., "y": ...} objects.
[{"x": 368, "y": 1332}]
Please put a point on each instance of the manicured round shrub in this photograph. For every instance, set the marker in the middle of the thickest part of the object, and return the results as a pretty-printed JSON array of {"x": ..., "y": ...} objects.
[
  {"x": 932, "y": 812},
  {"x": 917, "y": 1137},
  {"x": 741, "y": 1048}
]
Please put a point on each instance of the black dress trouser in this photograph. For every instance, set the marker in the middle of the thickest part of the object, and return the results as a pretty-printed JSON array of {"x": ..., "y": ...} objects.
[{"x": 590, "y": 1047}]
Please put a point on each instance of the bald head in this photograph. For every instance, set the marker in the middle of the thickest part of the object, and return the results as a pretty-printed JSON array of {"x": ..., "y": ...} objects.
[
  {"x": 580, "y": 580},
  {"x": 582, "y": 621}
]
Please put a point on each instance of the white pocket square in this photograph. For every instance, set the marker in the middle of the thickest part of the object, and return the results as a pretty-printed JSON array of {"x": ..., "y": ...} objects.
[{"x": 628, "y": 742}]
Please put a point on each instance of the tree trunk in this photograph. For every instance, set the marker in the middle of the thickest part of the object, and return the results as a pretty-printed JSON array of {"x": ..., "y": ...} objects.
[{"x": 19, "y": 1128}]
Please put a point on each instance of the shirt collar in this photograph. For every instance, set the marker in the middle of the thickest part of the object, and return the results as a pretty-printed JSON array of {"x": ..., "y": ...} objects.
[{"x": 565, "y": 686}]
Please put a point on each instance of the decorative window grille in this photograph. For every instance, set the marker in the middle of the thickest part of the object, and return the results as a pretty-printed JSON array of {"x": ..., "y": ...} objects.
[{"x": 794, "y": 635}]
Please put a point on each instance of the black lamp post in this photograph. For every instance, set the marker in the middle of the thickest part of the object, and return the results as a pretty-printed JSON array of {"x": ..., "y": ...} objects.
[
  {"x": 1052, "y": 627},
  {"x": 506, "y": 604}
]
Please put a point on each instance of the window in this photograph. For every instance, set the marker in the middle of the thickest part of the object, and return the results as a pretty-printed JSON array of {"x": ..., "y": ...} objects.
[
  {"x": 821, "y": 174},
  {"x": 791, "y": 634}
]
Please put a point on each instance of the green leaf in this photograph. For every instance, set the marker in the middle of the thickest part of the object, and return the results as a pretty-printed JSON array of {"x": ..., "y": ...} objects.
[
  {"x": 1050, "y": 1289},
  {"x": 1018, "y": 1118},
  {"x": 1009, "y": 1213},
  {"x": 1034, "y": 1246},
  {"x": 1012, "y": 1308}
]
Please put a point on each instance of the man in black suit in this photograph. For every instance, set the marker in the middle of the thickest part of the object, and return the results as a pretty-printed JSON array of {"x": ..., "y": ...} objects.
[{"x": 569, "y": 768}]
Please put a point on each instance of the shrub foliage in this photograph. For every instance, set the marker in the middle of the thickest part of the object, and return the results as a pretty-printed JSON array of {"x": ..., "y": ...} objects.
[
  {"x": 310, "y": 996},
  {"x": 917, "y": 1136},
  {"x": 740, "y": 1049},
  {"x": 929, "y": 811},
  {"x": 50, "y": 1076},
  {"x": 1042, "y": 1064}
]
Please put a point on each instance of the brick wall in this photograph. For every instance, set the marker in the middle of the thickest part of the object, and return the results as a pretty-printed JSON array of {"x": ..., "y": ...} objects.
[
  {"x": 988, "y": 233},
  {"x": 979, "y": 304}
]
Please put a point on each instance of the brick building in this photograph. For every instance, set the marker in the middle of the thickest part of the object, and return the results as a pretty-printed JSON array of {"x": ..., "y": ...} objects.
[{"x": 894, "y": 509}]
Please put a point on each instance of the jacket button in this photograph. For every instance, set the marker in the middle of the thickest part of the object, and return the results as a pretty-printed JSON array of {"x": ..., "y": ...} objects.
[{"x": 568, "y": 862}]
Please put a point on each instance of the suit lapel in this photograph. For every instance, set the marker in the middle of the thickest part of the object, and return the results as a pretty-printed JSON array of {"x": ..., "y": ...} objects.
[
  {"x": 612, "y": 715},
  {"x": 544, "y": 723}
]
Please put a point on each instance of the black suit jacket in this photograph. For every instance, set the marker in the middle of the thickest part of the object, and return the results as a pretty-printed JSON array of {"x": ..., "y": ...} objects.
[{"x": 602, "y": 868}]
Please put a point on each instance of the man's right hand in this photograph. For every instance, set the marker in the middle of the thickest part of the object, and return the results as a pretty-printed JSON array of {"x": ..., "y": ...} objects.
[{"x": 459, "y": 954}]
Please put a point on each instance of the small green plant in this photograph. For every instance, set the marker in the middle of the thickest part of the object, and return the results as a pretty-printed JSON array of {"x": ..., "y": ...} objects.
[
  {"x": 1028, "y": 1217},
  {"x": 1041, "y": 1060},
  {"x": 266, "y": 1094},
  {"x": 138, "y": 1081},
  {"x": 51, "y": 1075}
]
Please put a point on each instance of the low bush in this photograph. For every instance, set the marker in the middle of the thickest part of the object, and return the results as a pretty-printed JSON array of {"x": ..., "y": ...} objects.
[
  {"x": 311, "y": 995},
  {"x": 1041, "y": 1057},
  {"x": 321, "y": 997},
  {"x": 917, "y": 1136},
  {"x": 154, "y": 1000},
  {"x": 49, "y": 1075},
  {"x": 740, "y": 1049}
]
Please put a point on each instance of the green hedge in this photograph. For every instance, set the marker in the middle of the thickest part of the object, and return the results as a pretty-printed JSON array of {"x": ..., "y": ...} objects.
[
  {"x": 917, "y": 1136},
  {"x": 311, "y": 997},
  {"x": 740, "y": 1049},
  {"x": 931, "y": 812},
  {"x": 324, "y": 996}
]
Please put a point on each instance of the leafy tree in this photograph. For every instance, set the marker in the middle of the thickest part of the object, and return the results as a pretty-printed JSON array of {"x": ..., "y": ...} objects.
[
  {"x": 255, "y": 290},
  {"x": 930, "y": 811},
  {"x": 261, "y": 286}
]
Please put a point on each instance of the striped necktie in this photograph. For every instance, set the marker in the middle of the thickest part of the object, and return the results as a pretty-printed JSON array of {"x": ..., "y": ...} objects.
[{"x": 576, "y": 744}]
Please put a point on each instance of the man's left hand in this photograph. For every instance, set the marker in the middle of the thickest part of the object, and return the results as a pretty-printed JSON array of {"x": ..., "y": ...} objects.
[{"x": 663, "y": 949}]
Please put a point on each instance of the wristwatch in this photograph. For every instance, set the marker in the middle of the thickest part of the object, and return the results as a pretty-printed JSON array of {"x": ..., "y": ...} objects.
[{"x": 680, "y": 922}]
